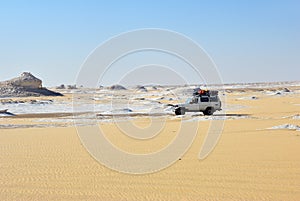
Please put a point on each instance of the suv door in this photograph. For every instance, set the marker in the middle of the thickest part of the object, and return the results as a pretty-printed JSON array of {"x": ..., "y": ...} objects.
[
  {"x": 194, "y": 104},
  {"x": 203, "y": 102}
]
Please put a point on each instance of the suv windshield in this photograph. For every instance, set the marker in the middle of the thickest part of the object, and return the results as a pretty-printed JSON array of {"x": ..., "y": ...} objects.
[{"x": 188, "y": 100}]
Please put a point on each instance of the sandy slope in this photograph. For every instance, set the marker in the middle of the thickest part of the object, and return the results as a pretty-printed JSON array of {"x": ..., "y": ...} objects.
[{"x": 249, "y": 162}]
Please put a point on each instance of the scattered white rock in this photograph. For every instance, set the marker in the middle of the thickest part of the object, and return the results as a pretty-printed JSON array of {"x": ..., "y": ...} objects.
[
  {"x": 286, "y": 127},
  {"x": 248, "y": 98},
  {"x": 296, "y": 117}
]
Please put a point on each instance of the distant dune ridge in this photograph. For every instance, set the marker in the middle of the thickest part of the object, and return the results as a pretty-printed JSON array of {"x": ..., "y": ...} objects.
[{"x": 25, "y": 85}]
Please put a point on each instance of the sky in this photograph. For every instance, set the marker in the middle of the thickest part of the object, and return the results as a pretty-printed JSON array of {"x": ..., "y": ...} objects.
[{"x": 249, "y": 41}]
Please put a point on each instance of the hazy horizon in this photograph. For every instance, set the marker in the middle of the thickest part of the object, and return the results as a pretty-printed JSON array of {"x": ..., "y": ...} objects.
[{"x": 153, "y": 84}]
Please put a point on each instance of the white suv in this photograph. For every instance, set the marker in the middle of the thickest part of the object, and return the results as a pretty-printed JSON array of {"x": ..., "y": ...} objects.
[{"x": 207, "y": 103}]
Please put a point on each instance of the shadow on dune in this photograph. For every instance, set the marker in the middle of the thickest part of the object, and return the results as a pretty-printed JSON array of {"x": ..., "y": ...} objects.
[
  {"x": 226, "y": 115},
  {"x": 231, "y": 115},
  {"x": 42, "y": 91},
  {"x": 6, "y": 112},
  {"x": 10, "y": 114}
]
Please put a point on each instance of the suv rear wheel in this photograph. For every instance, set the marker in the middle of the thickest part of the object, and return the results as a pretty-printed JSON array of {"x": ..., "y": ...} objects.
[{"x": 208, "y": 111}]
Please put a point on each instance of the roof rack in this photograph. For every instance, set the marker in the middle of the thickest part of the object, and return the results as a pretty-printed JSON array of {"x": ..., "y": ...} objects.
[{"x": 201, "y": 92}]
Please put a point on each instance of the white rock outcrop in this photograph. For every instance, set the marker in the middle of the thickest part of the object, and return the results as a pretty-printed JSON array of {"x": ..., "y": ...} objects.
[
  {"x": 24, "y": 85},
  {"x": 26, "y": 79}
]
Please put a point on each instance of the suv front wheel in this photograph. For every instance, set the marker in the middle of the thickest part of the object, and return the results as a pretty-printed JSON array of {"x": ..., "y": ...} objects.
[{"x": 180, "y": 111}]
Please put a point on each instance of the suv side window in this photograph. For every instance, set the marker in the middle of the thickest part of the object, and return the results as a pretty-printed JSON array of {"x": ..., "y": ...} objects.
[{"x": 204, "y": 99}]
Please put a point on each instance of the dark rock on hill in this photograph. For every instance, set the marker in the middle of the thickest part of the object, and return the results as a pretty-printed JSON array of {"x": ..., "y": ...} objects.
[
  {"x": 117, "y": 87},
  {"x": 141, "y": 89}
]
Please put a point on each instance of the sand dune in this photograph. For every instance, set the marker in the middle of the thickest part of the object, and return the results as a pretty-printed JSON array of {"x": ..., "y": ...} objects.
[{"x": 250, "y": 161}]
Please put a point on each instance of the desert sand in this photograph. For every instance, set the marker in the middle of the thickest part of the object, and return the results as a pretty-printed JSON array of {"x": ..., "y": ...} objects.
[{"x": 250, "y": 162}]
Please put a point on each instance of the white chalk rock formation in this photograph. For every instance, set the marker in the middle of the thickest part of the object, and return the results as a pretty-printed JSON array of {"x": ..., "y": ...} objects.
[
  {"x": 25, "y": 80},
  {"x": 24, "y": 85}
]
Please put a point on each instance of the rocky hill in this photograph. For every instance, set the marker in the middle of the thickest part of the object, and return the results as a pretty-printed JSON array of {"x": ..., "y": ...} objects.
[{"x": 25, "y": 85}]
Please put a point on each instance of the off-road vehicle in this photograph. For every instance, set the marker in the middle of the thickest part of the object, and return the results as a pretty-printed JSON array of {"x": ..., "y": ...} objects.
[{"x": 202, "y": 101}]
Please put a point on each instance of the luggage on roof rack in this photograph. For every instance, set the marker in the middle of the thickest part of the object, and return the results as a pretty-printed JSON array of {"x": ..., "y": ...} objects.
[{"x": 201, "y": 92}]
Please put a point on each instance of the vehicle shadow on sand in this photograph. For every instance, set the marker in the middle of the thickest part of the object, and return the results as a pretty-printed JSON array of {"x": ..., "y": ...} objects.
[{"x": 225, "y": 115}]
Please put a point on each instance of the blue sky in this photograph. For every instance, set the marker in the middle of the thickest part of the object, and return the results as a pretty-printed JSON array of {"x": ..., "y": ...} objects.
[{"x": 249, "y": 41}]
